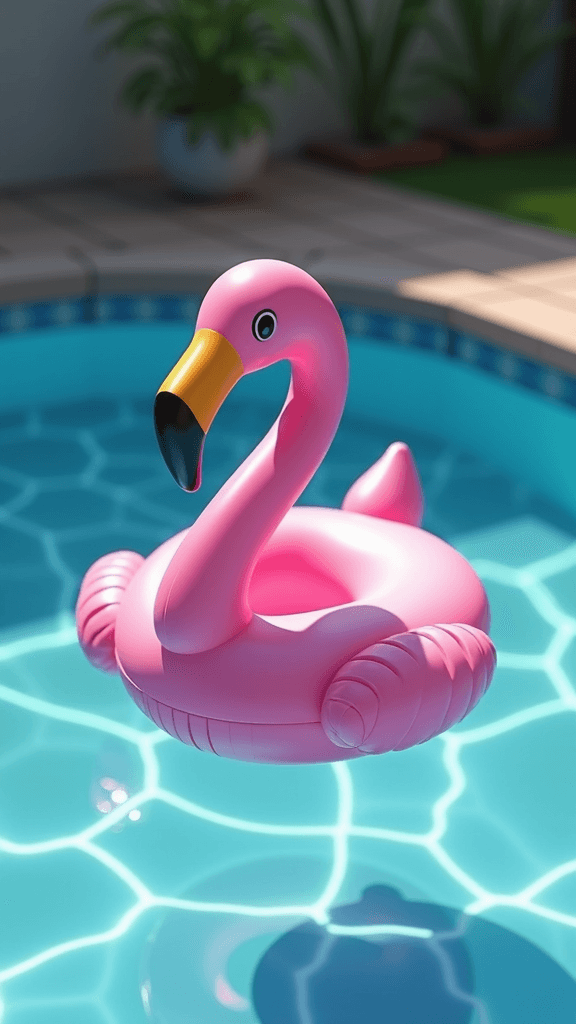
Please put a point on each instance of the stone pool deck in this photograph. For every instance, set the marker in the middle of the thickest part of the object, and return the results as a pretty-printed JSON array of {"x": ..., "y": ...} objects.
[{"x": 367, "y": 243}]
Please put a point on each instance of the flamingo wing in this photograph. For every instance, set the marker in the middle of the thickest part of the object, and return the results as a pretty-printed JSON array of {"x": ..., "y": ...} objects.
[
  {"x": 98, "y": 601},
  {"x": 408, "y": 688}
]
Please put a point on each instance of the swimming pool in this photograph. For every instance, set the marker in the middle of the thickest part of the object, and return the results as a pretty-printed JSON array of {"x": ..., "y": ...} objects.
[{"x": 108, "y": 827}]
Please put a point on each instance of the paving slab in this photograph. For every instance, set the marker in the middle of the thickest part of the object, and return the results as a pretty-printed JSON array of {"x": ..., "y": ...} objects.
[
  {"x": 190, "y": 268},
  {"x": 537, "y": 317},
  {"x": 542, "y": 273},
  {"x": 366, "y": 241},
  {"x": 285, "y": 238},
  {"x": 364, "y": 267},
  {"x": 472, "y": 254},
  {"x": 36, "y": 277},
  {"x": 146, "y": 231},
  {"x": 16, "y": 217}
]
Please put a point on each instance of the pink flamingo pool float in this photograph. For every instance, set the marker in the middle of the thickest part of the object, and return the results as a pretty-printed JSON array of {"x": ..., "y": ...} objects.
[{"x": 285, "y": 635}]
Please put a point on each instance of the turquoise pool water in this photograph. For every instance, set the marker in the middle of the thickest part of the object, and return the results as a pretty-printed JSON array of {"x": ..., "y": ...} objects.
[{"x": 142, "y": 879}]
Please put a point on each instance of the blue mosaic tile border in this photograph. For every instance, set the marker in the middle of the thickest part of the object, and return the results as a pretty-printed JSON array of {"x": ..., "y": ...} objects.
[
  {"x": 358, "y": 321},
  {"x": 426, "y": 334},
  {"x": 100, "y": 309}
]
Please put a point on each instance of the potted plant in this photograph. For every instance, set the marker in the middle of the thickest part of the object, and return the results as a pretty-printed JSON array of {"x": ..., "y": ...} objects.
[
  {"x": 378, "y": 89},
  {"x": 207, "y": 59},
  {"x": 482, "y": 60}
]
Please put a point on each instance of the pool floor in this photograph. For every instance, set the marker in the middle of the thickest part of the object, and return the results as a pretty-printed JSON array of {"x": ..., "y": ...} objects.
[{"x": 106, "y": 823}]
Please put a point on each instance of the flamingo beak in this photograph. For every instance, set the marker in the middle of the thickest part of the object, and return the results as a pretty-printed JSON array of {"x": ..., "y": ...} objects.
[{"x": 188, "y": 401}]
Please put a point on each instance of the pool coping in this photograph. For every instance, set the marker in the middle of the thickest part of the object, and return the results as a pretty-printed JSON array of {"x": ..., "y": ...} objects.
[{"x": 524, "y": 311}]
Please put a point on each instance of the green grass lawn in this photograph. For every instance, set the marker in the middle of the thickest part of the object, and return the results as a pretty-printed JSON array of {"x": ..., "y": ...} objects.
[{"x": 537, "y": 187}]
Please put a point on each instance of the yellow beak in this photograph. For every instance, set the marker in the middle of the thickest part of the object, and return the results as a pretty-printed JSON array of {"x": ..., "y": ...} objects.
[{"x": 189, "y": 399}]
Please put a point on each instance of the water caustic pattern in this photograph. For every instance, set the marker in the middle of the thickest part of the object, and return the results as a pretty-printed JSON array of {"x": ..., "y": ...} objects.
[{"x": 105, "y": 821}]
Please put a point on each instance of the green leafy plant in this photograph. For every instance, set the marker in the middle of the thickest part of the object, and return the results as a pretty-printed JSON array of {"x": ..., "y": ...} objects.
[
  {"x": 208, "y": 56},
  {"x": 369, "y": 67},
  {"x": 484, "y": 56}
]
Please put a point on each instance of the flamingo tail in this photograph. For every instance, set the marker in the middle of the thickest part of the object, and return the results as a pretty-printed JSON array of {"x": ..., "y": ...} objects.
[
  {"x": 98, "y": 601},
  {"x": 390, "y": 489},
  {"x": 408, "y": 688}
]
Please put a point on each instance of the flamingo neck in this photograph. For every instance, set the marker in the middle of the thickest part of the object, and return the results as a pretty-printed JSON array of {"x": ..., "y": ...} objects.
[{"x": 202, "y": 600}]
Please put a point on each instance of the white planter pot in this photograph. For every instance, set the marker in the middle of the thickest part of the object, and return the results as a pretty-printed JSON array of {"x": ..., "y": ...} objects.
[{"x": 205, "y": 169}]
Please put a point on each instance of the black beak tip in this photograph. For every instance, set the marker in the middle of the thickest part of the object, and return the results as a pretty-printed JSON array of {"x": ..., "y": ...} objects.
[{"x": 180, "y": 438}]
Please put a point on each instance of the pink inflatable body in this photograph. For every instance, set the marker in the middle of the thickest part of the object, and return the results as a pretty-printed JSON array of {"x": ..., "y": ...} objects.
[{"x": 285, "y": 635}]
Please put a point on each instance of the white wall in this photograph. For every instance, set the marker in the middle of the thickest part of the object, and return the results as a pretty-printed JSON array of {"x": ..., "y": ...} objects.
[{"x": 59, "y": 113}]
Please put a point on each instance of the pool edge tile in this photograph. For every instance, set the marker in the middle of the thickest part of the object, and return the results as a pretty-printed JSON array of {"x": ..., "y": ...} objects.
[{"x": 42, "y": 278}]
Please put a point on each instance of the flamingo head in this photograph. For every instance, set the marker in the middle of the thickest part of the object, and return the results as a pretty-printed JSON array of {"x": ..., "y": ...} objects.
[{"x": 254, "y": 315}]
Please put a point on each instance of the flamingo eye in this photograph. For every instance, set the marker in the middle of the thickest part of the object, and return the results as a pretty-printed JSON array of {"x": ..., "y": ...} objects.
[{"x": 264, "y": 324}]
